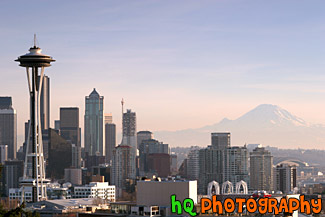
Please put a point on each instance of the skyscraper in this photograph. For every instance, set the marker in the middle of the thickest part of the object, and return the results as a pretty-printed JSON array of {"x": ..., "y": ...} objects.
[
  {"x": 94, "y": 124},
  {"x": 213, "y": 161},
  {"x": 236, "y": 164},
  {"x": 193, "y": 163},
  {"x": 8, "y": 126},
  {"x": 45, "y": 103},
  {"x": 108, "y": 118},
  {"x": 212, "y": 168},
  {"x": 123, "y": 167},
  {"x": 69, "y": 125},
  {"x": 261, "y": 169},
  {"x": 60, "y": 155},
  {"x": 285, "y": 178},
  {"x": 147, "y": 147},
  {"x": 220, "y": 140},
  {"x": 110, "y": 140},
  {"x": 129, "y": 129},
  {"x": 143, "y": 135}
]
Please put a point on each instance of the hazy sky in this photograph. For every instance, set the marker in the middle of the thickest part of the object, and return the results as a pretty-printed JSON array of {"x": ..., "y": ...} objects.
[{"x": 178, "y": 64}]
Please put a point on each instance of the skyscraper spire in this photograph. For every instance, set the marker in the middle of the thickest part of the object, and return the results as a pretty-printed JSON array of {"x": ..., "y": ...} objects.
[
  {"x": 35, "y": 40},
  {"x": 122, "y": 103}
]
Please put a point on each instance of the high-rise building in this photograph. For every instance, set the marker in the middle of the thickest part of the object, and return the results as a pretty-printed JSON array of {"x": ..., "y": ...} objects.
[
  {"x": 3, "y": 153},
  {"x": 45, "y": 103},
  {"x": 94, "y": 124},
  {"x": 212, "y": 167},
  {"x": 285, "y": 178},
  {"x": 129, "y": 129},
  {"x": 147, "y": 147},
  {"x": 220, "y": 140},
  {"x": 143, "y": 135},
  {"x": 12, "y": 171},
  {"x": 69, "y": 125},
  {"x": 108, "y": 118},
  {"x": 123, "y": 167},
  {"x": 159, "y": 164},
  {"x": 60, "y": 155},
  {"x": 73, "y": 175},
  {"x": 70, "y": 131},
  {"x": 110, "y": 140},
  {"x": 193, "y": 163},
  {"x": 236, "y": 164},
  {"x": 8, "y": 126},
  {"x": 261, "y": 169},
  {"x": 212, "y": 161}
]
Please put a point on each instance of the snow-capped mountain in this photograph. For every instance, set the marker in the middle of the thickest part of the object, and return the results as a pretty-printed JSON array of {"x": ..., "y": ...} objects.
[{"x": 266, "y": 124}]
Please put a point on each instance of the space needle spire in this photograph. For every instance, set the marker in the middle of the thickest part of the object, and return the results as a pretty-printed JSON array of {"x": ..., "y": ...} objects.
[{"x": 34, "y": 168}]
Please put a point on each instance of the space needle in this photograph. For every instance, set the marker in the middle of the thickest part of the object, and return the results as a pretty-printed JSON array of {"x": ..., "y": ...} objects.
[{"x": 34, "y": 168}]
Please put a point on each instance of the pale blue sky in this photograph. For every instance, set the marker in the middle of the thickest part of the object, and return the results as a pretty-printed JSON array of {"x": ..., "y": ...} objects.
[{"x": 178, "y": 64}]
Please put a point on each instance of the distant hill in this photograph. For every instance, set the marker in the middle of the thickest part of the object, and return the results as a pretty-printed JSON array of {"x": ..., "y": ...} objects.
[{"x": 267, "y": 124}]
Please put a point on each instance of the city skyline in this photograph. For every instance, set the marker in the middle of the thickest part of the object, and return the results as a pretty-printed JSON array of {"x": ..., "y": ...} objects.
[{"x": 205, "y": 61}]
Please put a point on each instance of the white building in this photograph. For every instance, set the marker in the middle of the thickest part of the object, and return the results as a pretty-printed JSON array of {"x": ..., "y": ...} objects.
[
  {"x": 96, "y": 190},
  {"x": 15, "y": 194}
]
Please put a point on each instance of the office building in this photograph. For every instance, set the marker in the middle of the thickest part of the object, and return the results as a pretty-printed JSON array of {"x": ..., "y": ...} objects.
[
  {"x": 95, "y": 190},
  {"x": 143, "y": 135},
  {"x": 3, "y": 153},
  {"x": 73, "y": 175},
  {"x": 261, "y": 169},
  {"x": 236, "y": 165},
  {"x": 193, "y": 163},
  {"x": 129, "y": 130},
  {"x": 110, "y": 141},
  {"x": 212, "y": 161},
  {"x": 8, "y": 126},
  {"x": 220, "y": 140},
  {"x": 147, "y": 147},
  {"x": 94, "y": 122},
  {"x": 212, "y": 167},
  {"x": 123, "y": 167},
  {"x": 159, "y": 164},
  {"x": 103, "y": 170},
  {"x": 12, "y": 171},
  {"x": 108, "y": 118},
  {"x": 70, "y": 131},
  {"x": 69, "y": 125},
  {"x": 285, "y": 178},
  {"x": 60, "y": 155}
]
